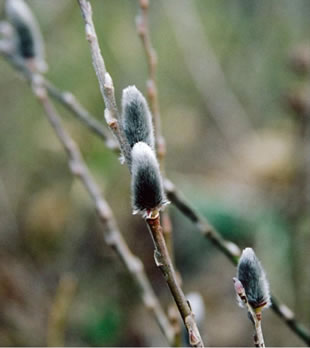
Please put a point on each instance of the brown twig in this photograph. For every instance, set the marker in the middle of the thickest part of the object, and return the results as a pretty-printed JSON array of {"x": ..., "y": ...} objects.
[
  {"x": 104, "y": 79},
  {"x": 107, "y": 91},
  {"x": 142, "y": 23},
  {"x": 110, "y": 229},
  {"x": 254, "y": 315},
  {"x": 163, "y": 261}
]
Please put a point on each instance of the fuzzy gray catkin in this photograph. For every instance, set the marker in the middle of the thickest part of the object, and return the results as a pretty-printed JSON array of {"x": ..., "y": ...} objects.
[
  {"x": 253, "y": 278},
  {"x": 136, "y": 118},
  {"x": 146, "y": 182},
  {"x": 29, "y": 44}
]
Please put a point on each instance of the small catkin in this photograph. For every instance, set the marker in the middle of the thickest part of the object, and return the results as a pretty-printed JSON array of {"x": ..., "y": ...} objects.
[
  {"x": 253, "y": 278},
  {"x": 28, "y": 39},
  {"x": 146, "y": 182},
  {"x": 136, "y": 118}
]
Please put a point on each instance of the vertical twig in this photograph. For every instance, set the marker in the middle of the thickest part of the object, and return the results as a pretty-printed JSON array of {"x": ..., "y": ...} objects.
[
  {"x": 143, "y": 29},
  {"x": 163, "y": 261},
  {"x": 142, "y": 23},
  {"x": 254, "y": 315}
]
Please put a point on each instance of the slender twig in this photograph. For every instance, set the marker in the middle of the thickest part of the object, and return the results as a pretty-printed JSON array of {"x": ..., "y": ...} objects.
[
  {"x": 107, "y": 91},
  {"x": 163, "y": 261},
  {"x": 104, "y": 79},
  {"x": 112, "y": 235},
  {"x": 59, "y": 310},
  {"x": 254, "y": 315},
  {"x": 142, "y": 23},
  {"x": 143, "y": 29}
]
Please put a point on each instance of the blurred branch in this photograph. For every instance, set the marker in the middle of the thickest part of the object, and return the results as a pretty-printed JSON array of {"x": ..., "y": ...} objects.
[
  {"x": 59, "y": 310},
  {"x": 142, "y": 23},
  {"x": 207, "y": 74},
  {"x": 67, "y": 99},
  {"x": 107, "y": 91}
]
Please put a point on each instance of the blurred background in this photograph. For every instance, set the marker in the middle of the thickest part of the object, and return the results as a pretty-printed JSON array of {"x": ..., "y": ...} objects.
[{"x": 233, "y": 81}]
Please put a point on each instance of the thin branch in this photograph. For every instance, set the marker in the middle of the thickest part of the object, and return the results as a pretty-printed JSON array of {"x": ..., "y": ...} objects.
[
  {"x": 104, "y": 79},
  {"x": 254, "y": 316},
  {"x": 142, "y": 23},
  {"x": 110, "y": 229},
  {"x": 163, "y": 261},
  {"x": 107, "y": 91},
  {"x": 143, "y": 29},
  {"x": 67, "y": 99}
]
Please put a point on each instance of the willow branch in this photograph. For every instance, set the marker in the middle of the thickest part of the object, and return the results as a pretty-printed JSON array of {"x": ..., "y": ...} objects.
[
  {"x": 110, "y": 229},
  {"x": 163, "y": 261}
]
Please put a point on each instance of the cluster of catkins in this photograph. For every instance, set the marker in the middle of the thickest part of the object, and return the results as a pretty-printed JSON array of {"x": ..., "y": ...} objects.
[{"x": 148, "y": 196}]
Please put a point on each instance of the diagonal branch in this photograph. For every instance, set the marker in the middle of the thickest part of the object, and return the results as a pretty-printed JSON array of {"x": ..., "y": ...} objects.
[{"x": 67, "y": 99}]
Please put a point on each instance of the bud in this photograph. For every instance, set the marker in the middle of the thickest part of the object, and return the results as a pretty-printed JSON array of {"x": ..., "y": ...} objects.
[
  {"x": 29, "y": 44},
  {"x": 146, "y": 182},
  {"x": 136, "y": 118},
  {"x": 253, "y": 279}
]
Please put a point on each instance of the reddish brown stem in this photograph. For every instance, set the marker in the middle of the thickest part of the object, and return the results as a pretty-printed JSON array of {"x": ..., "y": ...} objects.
[{"x": 163, "y": 261}]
